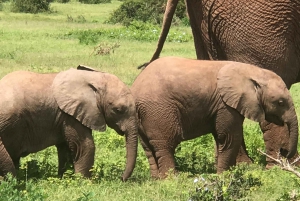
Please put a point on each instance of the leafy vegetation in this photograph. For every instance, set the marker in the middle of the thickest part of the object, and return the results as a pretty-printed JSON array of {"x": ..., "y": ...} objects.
[
  {"x": 62, "y": 1},
  {"x": 52, "y": 42},
  {"x": 94, "y": 1},
  {"x": 30, "y": 6},
  {"x": 145, "y": 11},
  {"x": 136, "y": 31}
]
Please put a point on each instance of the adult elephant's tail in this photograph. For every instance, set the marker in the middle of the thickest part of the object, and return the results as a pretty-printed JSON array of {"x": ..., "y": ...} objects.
[{"x": 168, "y": 16}]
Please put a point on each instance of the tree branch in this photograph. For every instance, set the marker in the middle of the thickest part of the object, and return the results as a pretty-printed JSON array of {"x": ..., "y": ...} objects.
[{"x": 284, "y": 163}]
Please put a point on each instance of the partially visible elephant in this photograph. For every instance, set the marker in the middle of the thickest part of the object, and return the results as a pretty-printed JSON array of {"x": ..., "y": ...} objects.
[
  {"x": 178, "y": 99},
  {"x": 41, "y": 110},
  {"x": 263, "y": 33}
]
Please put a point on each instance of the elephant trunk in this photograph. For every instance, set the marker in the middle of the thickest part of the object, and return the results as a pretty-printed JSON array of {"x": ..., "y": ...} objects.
[
  {"x": 292, "y": 124},
  {"x": 131, "y": 136}
]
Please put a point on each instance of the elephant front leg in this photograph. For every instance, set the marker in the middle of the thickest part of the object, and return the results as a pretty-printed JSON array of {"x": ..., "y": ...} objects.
[
  {"x": 242, "y": 156},
  {"x": 228, "y": 136},
  {"x": 6, "y": 163},
  {"x": 81, "y": 144}
]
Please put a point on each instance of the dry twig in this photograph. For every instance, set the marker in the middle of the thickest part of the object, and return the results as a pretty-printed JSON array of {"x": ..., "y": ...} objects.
[{"x": 284, "y": 163}]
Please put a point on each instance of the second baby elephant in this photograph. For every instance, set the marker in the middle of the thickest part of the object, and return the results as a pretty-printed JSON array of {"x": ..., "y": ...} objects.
[
  {"x": 41, "y": 110},
  {"x": 178, "y": 99}
]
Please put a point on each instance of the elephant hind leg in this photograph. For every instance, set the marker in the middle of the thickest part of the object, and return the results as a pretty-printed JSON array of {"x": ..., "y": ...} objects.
[
  {"x": 150, "y": 155},
  {"x": 164, "y": 156},
  {"x": 6, "y": 163}
]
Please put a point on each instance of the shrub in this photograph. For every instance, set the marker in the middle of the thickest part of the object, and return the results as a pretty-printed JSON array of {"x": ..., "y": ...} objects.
[
  {"x": 230, "y": 185},
  {"x": 94, "y": 1},
  {"x": 196, "y": 155},
  {"x": 88, "y": 37},
  {"x": 135, "y": 31},
  {"x": 11, "y": 189},
  {"x": 146, "y": 11},
  {"x": 62, "y": 1},
  {"x": 105, "y": 48},
  {"x": 30, "y": 6}
]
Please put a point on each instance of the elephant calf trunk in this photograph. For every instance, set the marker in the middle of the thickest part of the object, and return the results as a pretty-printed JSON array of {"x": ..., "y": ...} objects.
[
  {"x": 131, "y": 149},
  {"x": 292, "y": 125}
]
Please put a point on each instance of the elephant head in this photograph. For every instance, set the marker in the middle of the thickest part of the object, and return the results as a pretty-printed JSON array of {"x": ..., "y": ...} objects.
[
  {"x": 96, "y": 99},
  {"x": 259, "y": 94}
]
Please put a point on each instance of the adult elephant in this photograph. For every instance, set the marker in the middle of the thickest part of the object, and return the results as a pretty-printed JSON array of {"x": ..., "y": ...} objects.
[
  {"x": 263, "y": 33},
  {"x": 179, "y": 99},
  {"x": 41, "y": 110}
]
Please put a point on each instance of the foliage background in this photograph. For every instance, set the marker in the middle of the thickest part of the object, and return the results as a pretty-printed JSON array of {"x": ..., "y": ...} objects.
[{"x": 74, "y": 33}]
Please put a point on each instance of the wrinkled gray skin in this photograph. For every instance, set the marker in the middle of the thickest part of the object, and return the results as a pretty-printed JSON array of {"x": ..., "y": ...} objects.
[
  {"x": 41, "y": 110},
  {"x": 263, "y": 33},
  {"x": 179, "y": 99}
]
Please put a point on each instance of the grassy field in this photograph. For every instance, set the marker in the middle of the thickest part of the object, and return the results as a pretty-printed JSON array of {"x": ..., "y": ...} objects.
[{"x": 74, "y": 34}]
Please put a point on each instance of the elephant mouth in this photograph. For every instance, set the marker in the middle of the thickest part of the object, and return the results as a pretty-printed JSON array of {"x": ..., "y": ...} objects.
[
  {"x": 275, "y": 119},
  {"x": 118, "y": 130},
  {"x": 284, "y": 152}
]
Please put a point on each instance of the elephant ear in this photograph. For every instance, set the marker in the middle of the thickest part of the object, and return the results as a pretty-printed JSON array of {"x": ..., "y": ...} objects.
[
  {"x": 83, "y": 67},
  {"x": 240, "y": 87},
  {"x": 78, "y": 94}
]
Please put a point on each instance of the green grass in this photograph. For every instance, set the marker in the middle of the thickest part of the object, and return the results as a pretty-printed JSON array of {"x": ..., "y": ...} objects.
[{"x": 49, "y": 42}]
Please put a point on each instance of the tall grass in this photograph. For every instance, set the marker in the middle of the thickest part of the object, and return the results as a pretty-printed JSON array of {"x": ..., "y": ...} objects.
[{"x": 50, "y": 42}]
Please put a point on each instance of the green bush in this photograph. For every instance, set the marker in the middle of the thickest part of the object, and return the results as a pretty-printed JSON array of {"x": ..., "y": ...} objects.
[
  {"x": 146, "y": 11},
  {"x": 62, "y": 1},
  {"x": 196, "y": 155},
  {"x": 109, "y": 165},
  {"x": 11, "y": 189},
  {"x": 230, "y": 185},
  {"x": 137, "y": 31},
  {"x": 94, "y": 1},
  {"x": 30, "y": 6}
]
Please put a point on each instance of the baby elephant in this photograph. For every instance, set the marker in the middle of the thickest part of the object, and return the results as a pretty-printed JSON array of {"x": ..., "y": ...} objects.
[
  {"x": 178, "y": 99},
  {"x": 41, "y": 110}
]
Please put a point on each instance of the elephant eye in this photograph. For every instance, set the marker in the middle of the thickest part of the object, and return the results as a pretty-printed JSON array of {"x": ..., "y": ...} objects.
[
  {"x": 280, "y": 103},
  {"x": 119, "y": 110}
]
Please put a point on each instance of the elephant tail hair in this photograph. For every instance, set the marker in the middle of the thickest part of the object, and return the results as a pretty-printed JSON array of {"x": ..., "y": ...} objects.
[{"x": 143, "y": 66}]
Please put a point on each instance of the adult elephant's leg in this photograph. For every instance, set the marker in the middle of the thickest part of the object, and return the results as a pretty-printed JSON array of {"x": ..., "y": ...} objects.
[
  {"x": 17, "y": 163},
  {"x": 6, "y": 163},
  {"x": 64, "y": 158},
  {"x": 195, "y": 13},
  {"x": 81, "y": 144},
  {"x": 275, "y": 137},
  {"x": 229, "y": 131},
  {"x": 150, "y": 155}
]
